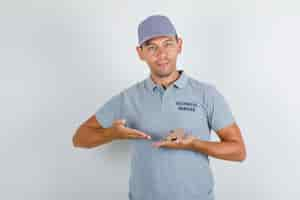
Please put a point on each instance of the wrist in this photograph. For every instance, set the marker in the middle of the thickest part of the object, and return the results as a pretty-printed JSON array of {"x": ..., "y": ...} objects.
[
  {"x": 112, "y": 133},
  {"x": 193, "y": 144}
]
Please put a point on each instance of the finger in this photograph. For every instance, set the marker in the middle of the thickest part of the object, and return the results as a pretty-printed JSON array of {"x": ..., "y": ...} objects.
[
  {"x": 142, "y": 134},
  {"x": 170, "y": 137},
  {"x": 148, "y": 137},
  {"x": 156, "y": 144},
  {"x": 179, "y": 141},
  {"x": 161, "y": 144},
  {"x": 175, "y": 134},
  {"x": 119, "y": 122},
  {"x": 134, "y": 136},
  {"x": 138, "y": 136},
  {"x": 137, "y": 133}
]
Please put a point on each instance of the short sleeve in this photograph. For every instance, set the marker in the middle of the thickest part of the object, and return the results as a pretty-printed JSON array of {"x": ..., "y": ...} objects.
[
  {"x": 110, "y": 111},
  {"x": 219, "y": 112}
]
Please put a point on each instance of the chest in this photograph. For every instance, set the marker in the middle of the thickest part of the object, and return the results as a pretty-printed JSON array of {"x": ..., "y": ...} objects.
[{"x": 158, "y": 113}]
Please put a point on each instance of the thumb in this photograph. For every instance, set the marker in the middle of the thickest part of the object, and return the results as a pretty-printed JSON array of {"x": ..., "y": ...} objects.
[{"x": 120, "y": 122}]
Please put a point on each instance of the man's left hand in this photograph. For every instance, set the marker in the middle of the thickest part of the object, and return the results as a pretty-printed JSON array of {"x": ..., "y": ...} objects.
[{"x": 182, "y": 142}]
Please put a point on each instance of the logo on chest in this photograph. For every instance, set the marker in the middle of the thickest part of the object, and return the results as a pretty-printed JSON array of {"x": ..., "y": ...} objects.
[{"x": 186, "y": 106}]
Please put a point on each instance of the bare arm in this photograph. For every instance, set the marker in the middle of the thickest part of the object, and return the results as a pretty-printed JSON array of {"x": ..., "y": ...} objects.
[
  {"x": 91, "y": 134},
  {"x": 231, "y": 147}
]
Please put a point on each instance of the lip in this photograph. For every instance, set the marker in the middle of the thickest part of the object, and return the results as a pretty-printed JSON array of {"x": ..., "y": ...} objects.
[{"x": 163, "y": 63}]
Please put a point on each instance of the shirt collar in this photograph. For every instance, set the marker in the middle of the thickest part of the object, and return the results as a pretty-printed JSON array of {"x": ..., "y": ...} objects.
[{"x": 179, "y": 83}]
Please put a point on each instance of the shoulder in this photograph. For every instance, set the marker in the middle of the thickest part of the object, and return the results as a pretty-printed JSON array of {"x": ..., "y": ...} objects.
[
  {"x": 133, "y": 90},
  {"x": 206, "y": 91},
  {"x": 203, "y": 87}
]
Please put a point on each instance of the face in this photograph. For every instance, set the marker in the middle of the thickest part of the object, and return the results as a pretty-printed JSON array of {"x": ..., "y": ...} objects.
[{"x": 160, "y": 53}]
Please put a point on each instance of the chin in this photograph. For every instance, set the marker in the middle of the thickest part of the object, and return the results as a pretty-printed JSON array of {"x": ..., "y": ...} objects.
[{"x": 162, "y": 73}]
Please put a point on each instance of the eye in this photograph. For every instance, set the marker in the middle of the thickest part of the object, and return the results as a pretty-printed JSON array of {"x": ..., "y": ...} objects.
[
  {"x": 170, "y": 43},
  {"x": 151, "y": 48}
]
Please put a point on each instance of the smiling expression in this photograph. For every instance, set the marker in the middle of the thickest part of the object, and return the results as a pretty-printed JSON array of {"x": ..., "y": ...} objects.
[{"x": 160, "y": 53}]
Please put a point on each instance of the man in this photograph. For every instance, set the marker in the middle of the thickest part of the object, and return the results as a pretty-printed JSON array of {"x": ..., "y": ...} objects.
[{"x": 168, "y": 118}]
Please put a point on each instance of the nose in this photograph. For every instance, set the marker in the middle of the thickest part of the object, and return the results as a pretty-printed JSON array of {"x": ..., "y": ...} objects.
[{"x": 161, "y": 52}]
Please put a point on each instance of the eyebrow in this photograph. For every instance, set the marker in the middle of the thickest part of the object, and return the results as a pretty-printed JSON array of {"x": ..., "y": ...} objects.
[{"x": 147, "y": 43}]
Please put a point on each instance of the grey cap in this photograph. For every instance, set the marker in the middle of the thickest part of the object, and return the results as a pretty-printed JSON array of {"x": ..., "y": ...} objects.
[{"x": 153, "y": 26}]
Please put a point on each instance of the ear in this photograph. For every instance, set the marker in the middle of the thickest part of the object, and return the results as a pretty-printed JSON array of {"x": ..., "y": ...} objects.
[
  {"x": 140, "y": 53},
  {"x": 180, "y": 41}
]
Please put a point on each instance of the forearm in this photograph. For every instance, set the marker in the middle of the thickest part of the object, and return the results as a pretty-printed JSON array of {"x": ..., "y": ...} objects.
[
  {"x": 226, "y": 150},
  {"x": 89, "y": 137}
]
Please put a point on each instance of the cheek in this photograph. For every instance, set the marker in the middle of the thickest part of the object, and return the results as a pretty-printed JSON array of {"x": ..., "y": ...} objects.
[
  {"x": 173, "y": 55},
  {"x": 150, "y": 61},
  {"x": 173, "y": 59}
]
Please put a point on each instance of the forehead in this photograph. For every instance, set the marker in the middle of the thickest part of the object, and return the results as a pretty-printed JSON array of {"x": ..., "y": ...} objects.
[{"x": 159, "y": 39}]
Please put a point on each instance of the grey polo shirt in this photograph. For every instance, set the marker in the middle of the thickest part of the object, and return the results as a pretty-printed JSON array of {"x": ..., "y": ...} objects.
[{"x": 161, "y": 173}]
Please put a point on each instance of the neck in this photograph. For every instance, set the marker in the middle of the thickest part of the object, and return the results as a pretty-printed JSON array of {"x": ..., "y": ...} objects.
[{"x": 166, "y": 81}]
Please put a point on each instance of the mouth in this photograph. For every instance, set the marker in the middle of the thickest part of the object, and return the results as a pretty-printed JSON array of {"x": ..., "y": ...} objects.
[{"x": 162, "y": 64}]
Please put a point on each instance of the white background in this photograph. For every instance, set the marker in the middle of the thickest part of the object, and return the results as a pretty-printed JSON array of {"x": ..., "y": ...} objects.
[{"x": 61, "y": 60}]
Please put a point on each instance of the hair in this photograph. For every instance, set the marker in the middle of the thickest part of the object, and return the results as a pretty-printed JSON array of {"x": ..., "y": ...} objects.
[{"x": 147, "y": 42}]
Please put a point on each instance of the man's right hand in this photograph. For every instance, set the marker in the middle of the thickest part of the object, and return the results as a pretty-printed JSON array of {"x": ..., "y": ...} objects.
[{"x": 121, "y": 132}]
